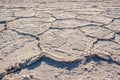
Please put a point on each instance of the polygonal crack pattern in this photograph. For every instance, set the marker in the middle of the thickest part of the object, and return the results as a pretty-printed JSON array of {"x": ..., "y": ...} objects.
[
  {"x": 16, "y": 51},
  {"x": 65, "y": 45},
  {"x": 66, "y": 30},
  {"x": 29, "y": 26},
  {"x": 98, "y": 32}
]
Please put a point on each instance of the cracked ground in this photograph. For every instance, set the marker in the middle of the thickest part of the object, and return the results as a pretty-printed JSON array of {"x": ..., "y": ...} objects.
[{"x": 59, "y": 40}]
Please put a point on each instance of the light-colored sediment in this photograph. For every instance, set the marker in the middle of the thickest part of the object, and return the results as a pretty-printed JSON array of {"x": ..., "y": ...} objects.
[{"x": 64, "y": 31}]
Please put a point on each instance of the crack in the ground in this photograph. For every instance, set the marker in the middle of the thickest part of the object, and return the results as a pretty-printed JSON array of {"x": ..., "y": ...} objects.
[
  {"x": 92, "y": 22},
  {"x": 78, "y": 27},
  {"x": 103, "y": 26},
  {"x": 36, "y": 58},
  {"x": 5, "y": 25},
  {"x": 13, "y": 69},
  {"x": 26, "y": 34},
  {"x": 43, "y": 32},
  {"x": 28, "y": 62},
  {"x": 18, "y": 18}
]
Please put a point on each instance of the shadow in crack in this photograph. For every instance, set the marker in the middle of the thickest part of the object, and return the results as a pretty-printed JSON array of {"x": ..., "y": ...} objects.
[
  {"x": 69, "y": 65},
  {"x": 92, "y": 58},
  {"x": 98, "y": 60},
  {"x": 114, "y": 62},
  {"x": 34, "y": 65},
  {"x": 54, "y": 63},
  {"x": 29, "y": 67}
]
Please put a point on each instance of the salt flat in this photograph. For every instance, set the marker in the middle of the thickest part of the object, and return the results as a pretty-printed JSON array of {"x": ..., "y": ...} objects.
[{"x": 59, "y": 39}]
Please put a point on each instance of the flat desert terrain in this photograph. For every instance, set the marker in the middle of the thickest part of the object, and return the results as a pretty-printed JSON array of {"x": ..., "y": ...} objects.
[{"x": 59, "y": 39}]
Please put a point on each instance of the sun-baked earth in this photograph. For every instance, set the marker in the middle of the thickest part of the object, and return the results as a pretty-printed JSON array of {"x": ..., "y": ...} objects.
[{"x": 59, "y": 40}]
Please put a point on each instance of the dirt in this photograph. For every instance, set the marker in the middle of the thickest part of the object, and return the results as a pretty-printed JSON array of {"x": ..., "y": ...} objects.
[{"x": 59, "y": 40}]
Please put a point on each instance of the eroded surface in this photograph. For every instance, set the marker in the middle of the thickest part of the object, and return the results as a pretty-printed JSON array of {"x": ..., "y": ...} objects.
[
  {"x": 66, "y": 45},
  {"x": 16, "y": 51},
  {"x": 63, "y": 30}
]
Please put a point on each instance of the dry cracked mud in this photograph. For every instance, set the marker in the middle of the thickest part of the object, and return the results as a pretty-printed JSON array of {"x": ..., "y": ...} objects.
[{"x": 59, "y": 40}]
